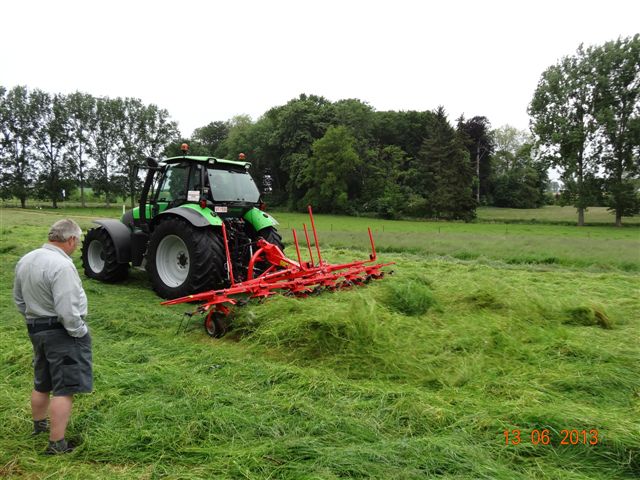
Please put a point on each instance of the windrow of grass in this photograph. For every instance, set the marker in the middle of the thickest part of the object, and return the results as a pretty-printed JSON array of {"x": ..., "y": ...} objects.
[{"x": 413, "y": 376}]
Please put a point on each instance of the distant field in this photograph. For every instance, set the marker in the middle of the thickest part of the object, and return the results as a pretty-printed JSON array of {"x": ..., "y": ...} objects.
[
  {"x": 482, "y": 328},
  {"x": 551, "y": 214},
  {"x": 546, "y": 214},
  {"x": 599, "y": 248}
]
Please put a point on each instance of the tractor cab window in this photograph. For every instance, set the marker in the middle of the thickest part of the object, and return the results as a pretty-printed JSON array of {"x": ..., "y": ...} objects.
[
  {"x": 174, "y": 184},
  {"x": 232, "y": 186}
]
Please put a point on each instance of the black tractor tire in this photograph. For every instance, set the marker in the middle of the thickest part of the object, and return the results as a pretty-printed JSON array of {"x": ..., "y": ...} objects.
[
  {"x": 271, "y": 235},
  {"x": 183, "y": 259},
  {"x": 99, "y": 259}
]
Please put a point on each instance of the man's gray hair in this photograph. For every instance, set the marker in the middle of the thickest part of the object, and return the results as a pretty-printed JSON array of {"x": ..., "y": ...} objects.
[{"x": 63, "y": 230}]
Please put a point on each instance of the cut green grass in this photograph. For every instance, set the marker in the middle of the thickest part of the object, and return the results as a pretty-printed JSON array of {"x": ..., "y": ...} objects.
[{"x": 413, "y": 376}]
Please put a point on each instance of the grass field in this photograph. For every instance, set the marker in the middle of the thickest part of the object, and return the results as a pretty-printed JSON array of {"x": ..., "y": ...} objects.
[
  {"x": 482, "y": 328},
  {"x": 550, "y": 214}
]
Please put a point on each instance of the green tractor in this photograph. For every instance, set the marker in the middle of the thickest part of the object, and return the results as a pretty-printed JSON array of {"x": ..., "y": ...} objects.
[{"x": 176, "y": 232}]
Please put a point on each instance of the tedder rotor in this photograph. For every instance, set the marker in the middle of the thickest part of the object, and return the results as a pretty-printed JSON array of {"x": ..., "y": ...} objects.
[{"x": 270, "y": 272}]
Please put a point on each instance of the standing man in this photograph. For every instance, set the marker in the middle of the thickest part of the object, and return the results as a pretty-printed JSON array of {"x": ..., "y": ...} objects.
[{"x": 49, "y": 294}]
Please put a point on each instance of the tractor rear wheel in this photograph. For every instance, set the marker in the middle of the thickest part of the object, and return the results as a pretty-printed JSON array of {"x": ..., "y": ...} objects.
[
  {"x": 99, "y": 258},
  {"x": 271, "y": 235},
  {"x": 183, "y": 259}
]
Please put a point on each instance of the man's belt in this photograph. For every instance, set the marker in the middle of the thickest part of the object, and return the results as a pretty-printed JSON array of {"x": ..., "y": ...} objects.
[{"x": 35, "y": 325}]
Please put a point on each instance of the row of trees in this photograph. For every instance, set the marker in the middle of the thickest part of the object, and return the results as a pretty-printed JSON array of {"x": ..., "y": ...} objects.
[
  {"x": 342, "y": 157},
  {"x": 52, "y": 144},
  {"x": 586, "y": 116},
  {"x": 345, "y": 157}
]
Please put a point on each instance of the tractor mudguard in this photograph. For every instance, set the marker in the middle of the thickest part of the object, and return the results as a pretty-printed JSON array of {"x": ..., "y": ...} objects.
[
  {"x": 121, "y": 236},
  {"x": 259, "y": 219},
  {"x": 198, "y": 217},
  {"x": 127, "y": 219}
]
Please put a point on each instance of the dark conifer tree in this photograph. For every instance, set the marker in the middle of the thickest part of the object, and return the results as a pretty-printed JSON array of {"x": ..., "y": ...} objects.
[{"x": 447, "y": 174}]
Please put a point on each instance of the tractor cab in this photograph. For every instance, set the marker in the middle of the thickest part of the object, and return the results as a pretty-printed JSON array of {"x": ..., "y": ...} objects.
[
  {"x": 193, "y": 209},
  {"x": 224, "y": 186}
]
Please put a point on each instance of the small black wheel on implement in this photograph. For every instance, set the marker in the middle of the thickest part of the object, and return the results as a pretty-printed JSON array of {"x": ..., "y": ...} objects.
[
  {"x": 215, "y": 324},
  {"x": 99, "y": 258}
]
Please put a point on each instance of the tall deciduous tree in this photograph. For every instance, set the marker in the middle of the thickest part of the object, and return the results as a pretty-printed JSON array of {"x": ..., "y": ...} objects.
[
  {"x": 617, "y": 114},
  {"x": 562, "y": 121},
  {"x": 507, "y": 141},
  {"x": 325, "y": 176},
  {"x": 19, "y": 122},
  {"x": 142, "y": 131},
  {"x": 524, "y": 184},
  {"x": 477, "y": 137},
  {"x": 3, "y": 120},
  {"x": 103, "y": 138},
  {"x": 212, "y": 135},
  {"x": 385, "y": 190},
  {"x": 80, "y": 107},
  {"x": 130, "y": 136},
  {"x": 519, "y": 178},
  {"x": 297, "y": 124},
  {"x": 51, "y": 137}
]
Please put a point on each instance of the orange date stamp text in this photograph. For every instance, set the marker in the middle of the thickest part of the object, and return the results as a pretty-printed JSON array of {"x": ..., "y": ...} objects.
[{"x": 547, "y": 437}]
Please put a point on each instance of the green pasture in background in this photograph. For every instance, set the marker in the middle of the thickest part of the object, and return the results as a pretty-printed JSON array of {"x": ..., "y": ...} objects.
[{"x": 482, "y": 328}]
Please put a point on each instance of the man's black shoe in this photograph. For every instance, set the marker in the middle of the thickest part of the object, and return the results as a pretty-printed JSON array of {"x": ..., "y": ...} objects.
[
  {"x": 61, "y": 446},
  {"x": 40, "y": 426}
]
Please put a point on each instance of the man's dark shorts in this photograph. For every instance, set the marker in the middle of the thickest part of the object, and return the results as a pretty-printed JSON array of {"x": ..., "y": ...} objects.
[{"x": 62, "y": 364}]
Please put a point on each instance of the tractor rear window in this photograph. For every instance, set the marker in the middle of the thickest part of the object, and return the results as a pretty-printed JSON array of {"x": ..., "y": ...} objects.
[{"x": 232, "y": 186}]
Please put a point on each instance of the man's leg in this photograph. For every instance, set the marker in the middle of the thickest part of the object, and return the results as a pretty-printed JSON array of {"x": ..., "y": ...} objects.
[
  {"x": 59, "y": 411},
  {"x": 39, "y": 408},
  {"x": 39, "y": 405}
]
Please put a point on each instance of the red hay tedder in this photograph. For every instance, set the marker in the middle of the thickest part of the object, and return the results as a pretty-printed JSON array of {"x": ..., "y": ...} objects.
[{"x": 280, "y": 274}]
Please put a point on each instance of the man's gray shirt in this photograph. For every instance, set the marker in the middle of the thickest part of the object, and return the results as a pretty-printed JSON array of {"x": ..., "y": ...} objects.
[{"x": 47, "y": 284}]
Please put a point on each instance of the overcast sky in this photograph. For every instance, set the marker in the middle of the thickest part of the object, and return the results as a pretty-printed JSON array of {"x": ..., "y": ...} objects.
[{"x": 210, "y": 60}]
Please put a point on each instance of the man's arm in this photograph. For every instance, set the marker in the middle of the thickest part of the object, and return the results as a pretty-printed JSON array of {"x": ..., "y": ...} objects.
[
  {"x": 17, "y": 294},
  {"x": 69, "y": 300}
]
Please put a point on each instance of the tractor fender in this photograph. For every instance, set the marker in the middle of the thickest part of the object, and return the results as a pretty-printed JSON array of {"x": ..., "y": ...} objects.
[
  {"x": 196, "y": 216},
  {"x": 259, "y": 219},
  {"x": 121, "y": 237}
]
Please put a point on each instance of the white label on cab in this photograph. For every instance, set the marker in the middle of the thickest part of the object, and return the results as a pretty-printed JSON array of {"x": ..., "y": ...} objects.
[
  {"x": 220, "y": 209},
  {"x": 193, "y": 195}
]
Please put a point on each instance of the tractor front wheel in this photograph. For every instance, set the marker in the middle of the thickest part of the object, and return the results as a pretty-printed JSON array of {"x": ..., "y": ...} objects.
[
  {"x": 183, "y": 259},
  {"x": 99, "y": 258}
]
